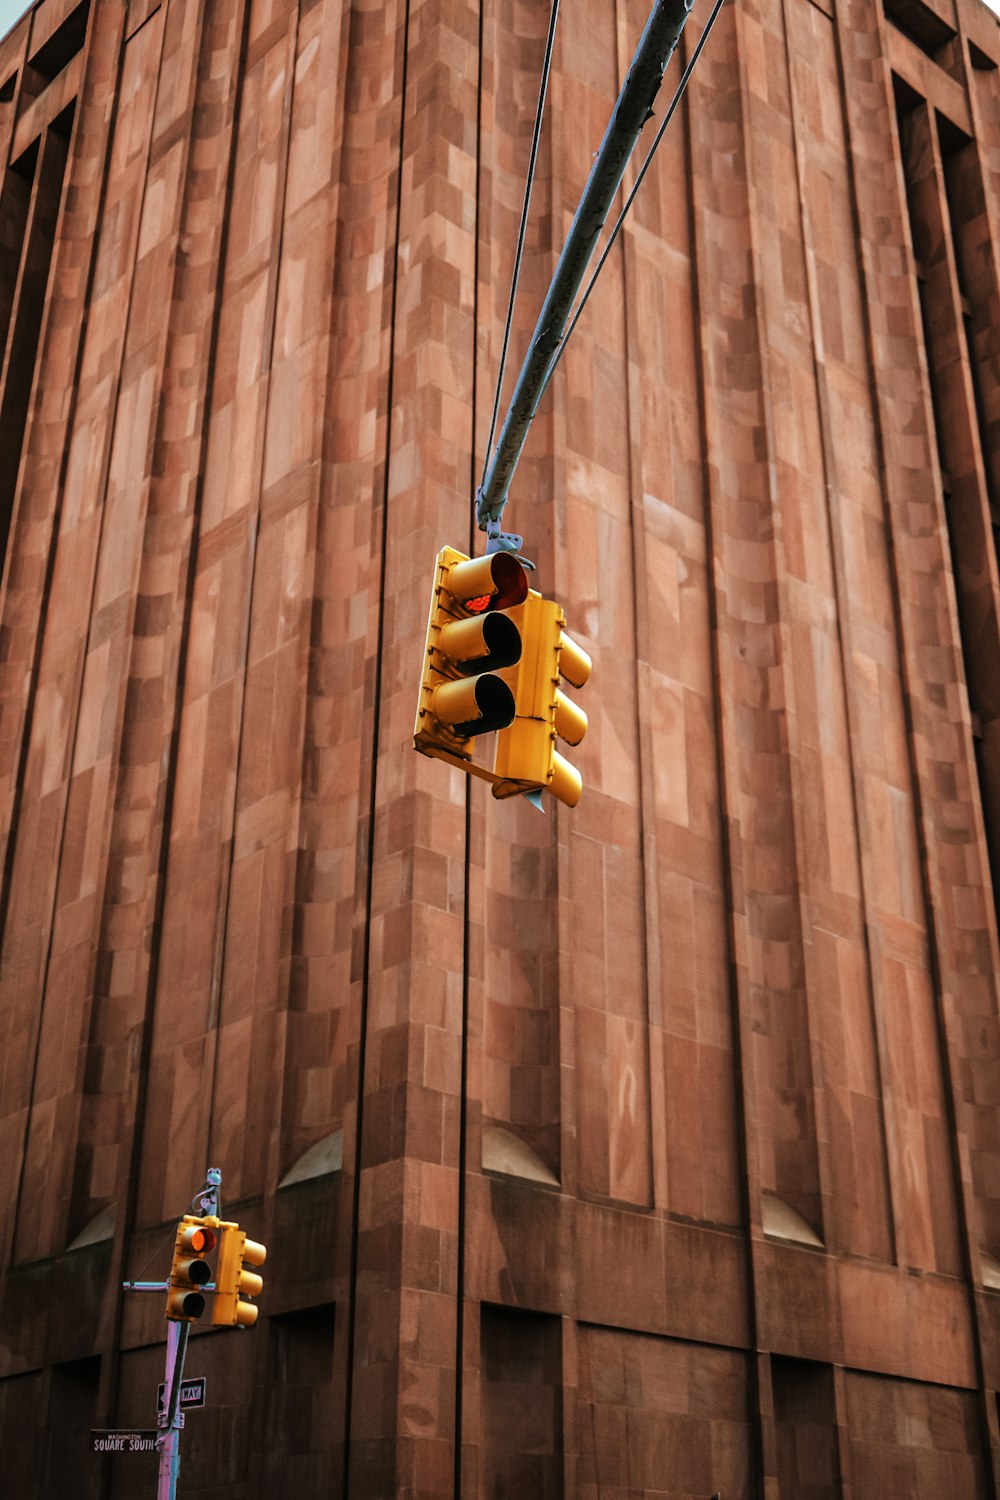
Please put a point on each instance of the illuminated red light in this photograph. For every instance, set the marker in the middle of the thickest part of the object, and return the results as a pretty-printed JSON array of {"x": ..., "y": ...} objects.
[{"x": 477, "y": 605}]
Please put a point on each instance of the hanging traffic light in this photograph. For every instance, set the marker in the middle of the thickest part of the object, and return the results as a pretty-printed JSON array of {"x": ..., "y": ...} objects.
[
  {"x": 526, "y": 754},
  {"x": 190, "y": 1270},
  {"x": 471, "y": 637},
  {"x": 233, "y": 1281}
]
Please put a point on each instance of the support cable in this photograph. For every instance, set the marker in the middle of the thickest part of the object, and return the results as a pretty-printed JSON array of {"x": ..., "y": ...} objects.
[
  {"x": 543, "y": 87},
  {"x": 633, "y": 109},
  {"x": 678, "y": 95}
]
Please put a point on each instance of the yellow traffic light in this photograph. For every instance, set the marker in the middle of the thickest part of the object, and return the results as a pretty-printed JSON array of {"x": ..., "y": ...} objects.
[
  {"x": 233, "y": 1281},
  {"x": 190, "y": 1270},
  {"x": 471, "y": 637},
  {"x": 526, "y": 754}
]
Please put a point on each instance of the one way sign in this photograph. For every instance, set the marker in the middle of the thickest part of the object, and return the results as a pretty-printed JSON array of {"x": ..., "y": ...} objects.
[{"x": 192, "y": 1393}]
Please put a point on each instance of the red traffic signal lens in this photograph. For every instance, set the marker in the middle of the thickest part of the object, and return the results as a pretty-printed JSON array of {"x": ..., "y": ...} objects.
[
  {"x": 496, "y": 581},
  {"x": 201, "y": 1240}
]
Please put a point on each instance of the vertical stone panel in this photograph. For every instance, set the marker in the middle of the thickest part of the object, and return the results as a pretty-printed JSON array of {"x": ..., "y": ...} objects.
[
  {"x": 21, "y": 1407},
  {"x": 13, "y": 51},
  {"x": 206, "y": 830},
  {"x": 71, "y": 1416},
  {"x": 602, "y": 958},
  {"x": 805, "y": 1430},
  {"x": 973, "y": 515},
  {"x": 693, "y": 1082},
  {"x": 17, "y": 199},
  {"x": 36, "y": 506},
  {"x": 883, "y": 779},
  {"x": 207, "y": 52},
  {"x": 325, "y": 986},
  {"x": 521, "y": 975},
  {"x": 958, "y": 1000},
  {"x": 297, "y": 1448},
  {"x": 974, "y": 191},
  {"x": 86, "y": 1168},
  {"x": 268, "y": 793},
  {"x": 912, "y": 1439},
  {"x": 47, "y": 159},
  {"x": 520, "y": 1405},
  {"x": 404, "y": 1370},
  {"x": 514, "y": 899},
  {"x": 748, "y": 530},
  {"x": 67, "y": 767},
  {"x": 847, "y": 974},
  {"x": 328, "y": 994},
  {"x": 810, "y": 595},
  {"x": 658, "y": 1417}
]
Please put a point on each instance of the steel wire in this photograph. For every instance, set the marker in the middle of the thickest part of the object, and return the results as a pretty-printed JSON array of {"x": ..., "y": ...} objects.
[
  {"x": 671, "y": 108},
  {"x": 543, "y": 88}
]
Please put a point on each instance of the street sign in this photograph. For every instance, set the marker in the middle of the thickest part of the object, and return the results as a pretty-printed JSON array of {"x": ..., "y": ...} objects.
[
  {"x": 122, "y": 1440},
  {"x": 192, "y": 1393}
]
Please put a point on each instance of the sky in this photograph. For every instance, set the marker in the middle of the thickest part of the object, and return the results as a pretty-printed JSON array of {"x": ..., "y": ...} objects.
[{"x": 11, "y": 9}]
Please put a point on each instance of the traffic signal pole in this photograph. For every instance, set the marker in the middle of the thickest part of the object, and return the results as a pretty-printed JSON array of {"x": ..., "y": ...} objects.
[
  {"x": 172, "y": 1419},
  {"x": 634, "y": 107}
]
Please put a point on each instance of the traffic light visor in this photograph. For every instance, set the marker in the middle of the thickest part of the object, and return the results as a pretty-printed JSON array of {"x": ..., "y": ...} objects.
[
  {"x": 488, "y": 583},
  {"x": 474, "y": 705},
  {"x": 198, "y": 1239},
  {"x": 483, "y": 643},
  {"x": 566, "y": 783},
  {"x": 574, "y": 664},
  {"x": 198, "y": 1272},
  {"x": 181, "y": 1304},
  {"x": 570, "y": 721}
]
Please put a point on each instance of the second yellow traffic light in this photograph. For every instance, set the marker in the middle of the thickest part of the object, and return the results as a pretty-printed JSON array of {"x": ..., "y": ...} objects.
[
  {"x": 234, "y": 1281},
  {"x": 526, "y": 754}
]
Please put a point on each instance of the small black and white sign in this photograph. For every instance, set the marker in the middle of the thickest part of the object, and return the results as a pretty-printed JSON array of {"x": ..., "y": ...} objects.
[
  {"x": 122, "y": 1440},
  {"x": 192, "y": 1393}
]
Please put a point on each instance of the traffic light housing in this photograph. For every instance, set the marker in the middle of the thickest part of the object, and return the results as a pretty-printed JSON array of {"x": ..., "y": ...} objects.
[
  {"x": 526, "y": 754},
  {"x": 471, "y": 639},
  {"x": 233, "y": 1281},
  {"x": 190, "y": 1271}
]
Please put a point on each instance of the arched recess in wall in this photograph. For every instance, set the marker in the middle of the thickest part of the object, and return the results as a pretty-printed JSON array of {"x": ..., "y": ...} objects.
[
  {"x": 505, "y": 1152},
  {"x": 783, "y": 1222},
  {"x": 320, "y": 1160},
  {"x": 101, "y": 1227},
  {"x": 991, "y": 1270}
]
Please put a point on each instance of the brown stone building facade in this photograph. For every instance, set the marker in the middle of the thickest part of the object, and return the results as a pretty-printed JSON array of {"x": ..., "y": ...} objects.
[{"x": 649, "y": 1149}]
